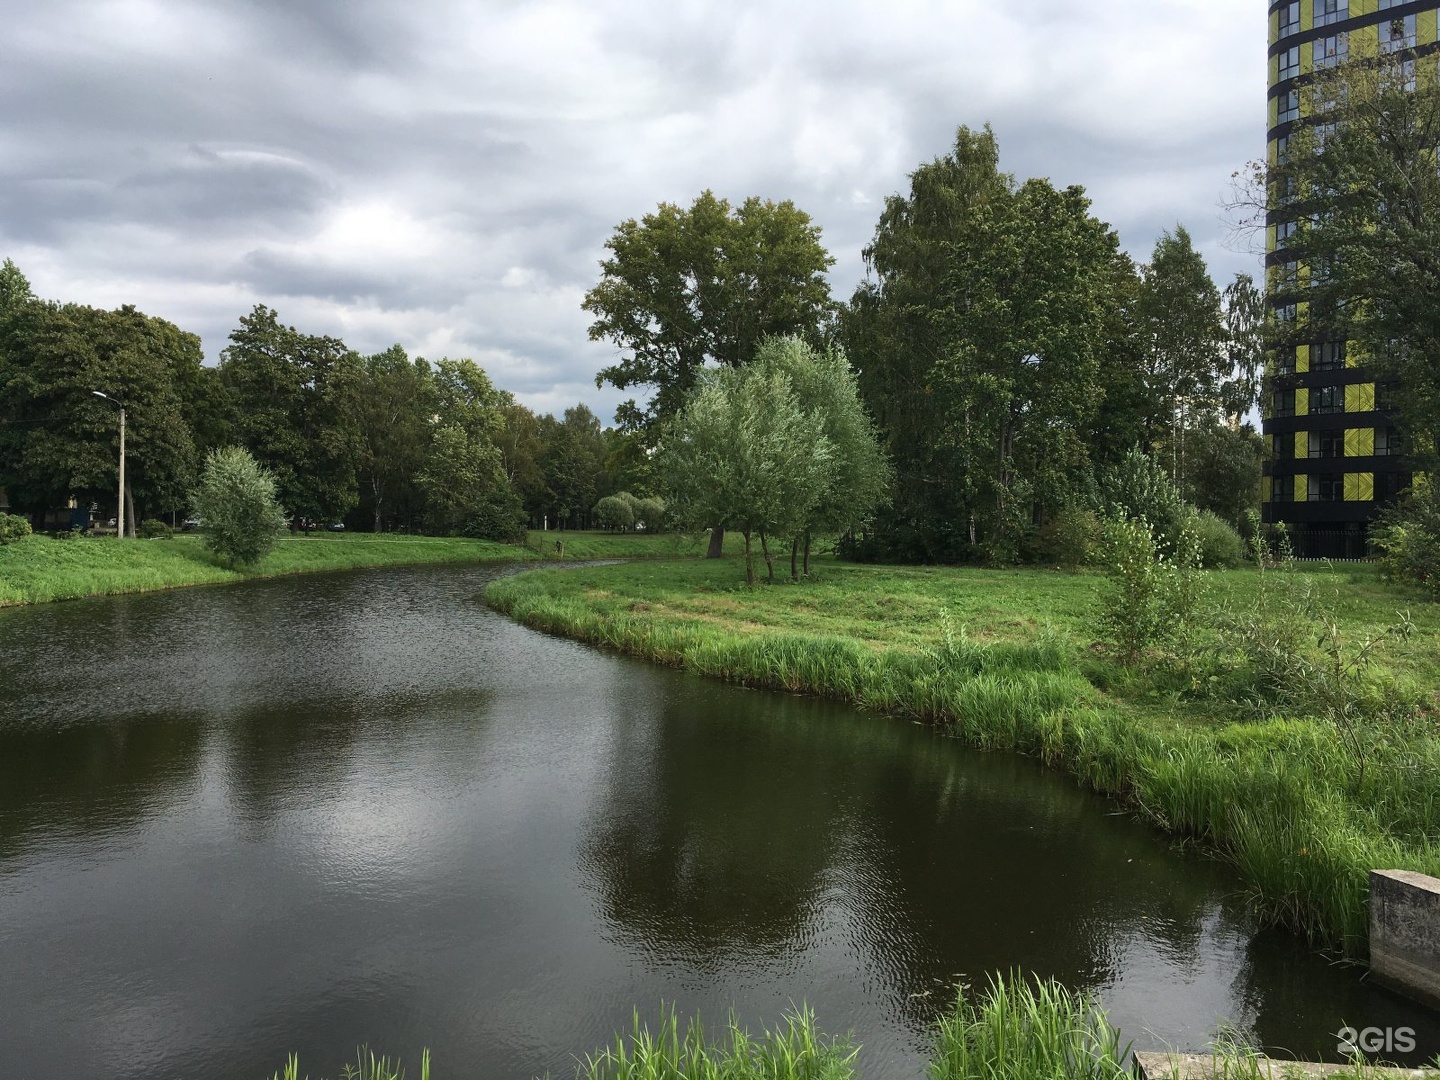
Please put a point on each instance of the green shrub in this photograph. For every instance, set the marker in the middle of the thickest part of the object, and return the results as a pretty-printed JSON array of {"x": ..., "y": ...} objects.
[
  {"x": 1407, "y": 538},
  {"x": 12, "y": 528},
  {"x": 154, "y": 529},
  {"x": 1220, "y": 545},
  {"x": 615, "y": 513},
  {"x": 1139, "y": 488},
  {"x": 236, "y": 501},
  {"x": 1149, "y": 600},
  {"x": 1070, "y": 538},
  {"x": 651, "y": 513},
  {"x": 498, "y": 515}
]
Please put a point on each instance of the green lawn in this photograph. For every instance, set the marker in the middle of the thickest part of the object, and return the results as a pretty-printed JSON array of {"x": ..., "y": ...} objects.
[
  {"x": 39, "y": 569},
  {"x": 1007, "y": 660}
]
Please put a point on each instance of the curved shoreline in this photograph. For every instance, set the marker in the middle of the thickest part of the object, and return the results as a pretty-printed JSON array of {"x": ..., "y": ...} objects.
[
  {"x": 40, "y": 570},
  {"x": 1256, "y": 795}
]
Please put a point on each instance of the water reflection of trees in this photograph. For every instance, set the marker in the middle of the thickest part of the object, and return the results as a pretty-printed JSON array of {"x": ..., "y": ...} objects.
[
  {"x": 731, "y": 823},
  {"x": 293, "y": 752},
  {"x": 93, "y": 778}
]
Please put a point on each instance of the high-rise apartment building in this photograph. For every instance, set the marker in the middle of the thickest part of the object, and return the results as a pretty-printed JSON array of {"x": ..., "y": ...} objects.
[{"x": 1335, "y": 454}]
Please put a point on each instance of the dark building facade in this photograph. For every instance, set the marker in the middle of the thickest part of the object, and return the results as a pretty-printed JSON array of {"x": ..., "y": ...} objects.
[{"x": 1335, "y": 453}]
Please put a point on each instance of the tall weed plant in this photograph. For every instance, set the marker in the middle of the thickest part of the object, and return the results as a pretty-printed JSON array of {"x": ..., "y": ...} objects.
[{"x": 1151, "y": 600}]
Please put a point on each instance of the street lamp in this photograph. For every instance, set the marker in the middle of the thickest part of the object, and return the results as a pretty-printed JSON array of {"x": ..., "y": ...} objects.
[{"x": 120, "y": 507}]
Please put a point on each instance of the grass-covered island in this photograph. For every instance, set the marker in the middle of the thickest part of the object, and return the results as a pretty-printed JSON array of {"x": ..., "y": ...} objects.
[
  {"x": 1303, "y": 793},
  {"x": 38, "y": 569}
]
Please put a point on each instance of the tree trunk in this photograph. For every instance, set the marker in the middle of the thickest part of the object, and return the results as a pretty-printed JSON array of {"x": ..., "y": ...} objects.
[
  {"x": 807, "y": 553},
  {"x": 769, "y": 561},
  {"x": 749, "y": 560},
  {"x": 794, "y": 550},
  {"x": 717, "y": 542},
  {"x": 129, "y": 513},
  {"x": 375, "y": 490}
]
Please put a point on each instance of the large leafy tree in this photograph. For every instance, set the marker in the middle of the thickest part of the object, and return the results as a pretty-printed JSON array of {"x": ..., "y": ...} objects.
[
  {"x": 573, "y": 463},
  {"x": 59, "y": 439},
  {"x": 294, "y": 396},
  {"x": 1180, "y": 319},
  {"x": 686, "y": 287},
  {"x": 464, "y": 481},
  {"x": 394, "y": 409},
  {"x": 1360, "y": 179},
  {"x": 978, "y": 336}
]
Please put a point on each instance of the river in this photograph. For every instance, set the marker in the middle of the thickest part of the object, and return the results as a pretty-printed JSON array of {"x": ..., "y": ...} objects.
[{"x": 303, "y": 814}]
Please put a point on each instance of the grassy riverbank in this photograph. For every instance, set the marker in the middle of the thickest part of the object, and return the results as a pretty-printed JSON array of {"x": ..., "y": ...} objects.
[
  {"x": 1006, "y": 660},
  {"x": 40, "y": 569}
]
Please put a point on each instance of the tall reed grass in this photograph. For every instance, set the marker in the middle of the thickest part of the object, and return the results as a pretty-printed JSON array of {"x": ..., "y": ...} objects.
[
  {"x": 796, "y": 1050},
  {"x": 367, "y": 1066},
  {"x": 1021, "y": 1030}
]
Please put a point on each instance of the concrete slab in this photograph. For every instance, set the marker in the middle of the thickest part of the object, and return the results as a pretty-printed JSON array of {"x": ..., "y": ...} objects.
[
  {"x": 1159, "y": 1066},
  {"x": 1405, "y": 933}
]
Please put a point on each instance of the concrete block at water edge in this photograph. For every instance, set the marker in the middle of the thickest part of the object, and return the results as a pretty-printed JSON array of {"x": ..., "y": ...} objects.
[
  {"x": 1405, "y": 933},
  {"x": 1205, "y": 1067}
]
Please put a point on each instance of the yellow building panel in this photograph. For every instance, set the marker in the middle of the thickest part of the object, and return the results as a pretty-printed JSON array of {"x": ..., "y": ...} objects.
[
  {"x": 1359, "y": 487},
  {"x": 1302, "y": 487},
  {"x": 1360, "y": 397},
  {"x": 1425, "y": 27},
  {"x": 1364, "y": 40},
  {"x": 1302, "y": 402},
  {"x": 1269, "y": 237},
  {"x": 1360, "y": 442},
  {"x": 1274, "y": 112},
  {"x": 1307, "y": 16},
  {"x": 1302, "y": 358},
  {"x": 1266, "y": 489},
  {"x": 1302, "y": 444},
  {"x": 1363, "y": 7},
  {"x": 1274, "y": 27}
]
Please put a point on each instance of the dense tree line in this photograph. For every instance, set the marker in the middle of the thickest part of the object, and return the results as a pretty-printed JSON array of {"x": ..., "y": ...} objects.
[
  {"x": 382, "y": 442},
  {"x": 1009, "y": 353},
  {"x": 1002, "y": 349}
]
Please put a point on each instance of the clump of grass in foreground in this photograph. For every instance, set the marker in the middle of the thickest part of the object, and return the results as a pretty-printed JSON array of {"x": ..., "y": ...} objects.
[
  {"x": 1015, "y": 1029},
  {"x": 1018, "y": 1031},
  {"x": 367, "y": 1067},
  {"x": 794, "y": 1051}
]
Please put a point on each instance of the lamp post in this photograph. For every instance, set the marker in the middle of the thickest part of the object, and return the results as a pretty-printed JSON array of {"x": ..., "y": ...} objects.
[{"x": 120, "y": 507}]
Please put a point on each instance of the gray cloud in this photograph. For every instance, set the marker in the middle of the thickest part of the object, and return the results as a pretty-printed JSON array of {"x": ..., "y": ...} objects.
[{"x": 444, "y": 173}]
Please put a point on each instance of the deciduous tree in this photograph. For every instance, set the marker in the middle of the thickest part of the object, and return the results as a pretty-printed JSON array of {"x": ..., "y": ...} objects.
[
  {"x": 235, "y": 500},
  {"x": 686, "y": 286},
  {"x": 978, "y": 335},
  {"x": 742, "y": 454},
  {"x": 295, "y": 410}
]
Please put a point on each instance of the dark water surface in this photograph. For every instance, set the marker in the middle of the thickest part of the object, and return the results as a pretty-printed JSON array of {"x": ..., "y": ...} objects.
[{"x": 297, "y": 815}]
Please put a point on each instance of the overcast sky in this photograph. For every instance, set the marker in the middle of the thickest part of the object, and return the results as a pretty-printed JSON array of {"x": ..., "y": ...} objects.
[{"x": 445, "y": 175}]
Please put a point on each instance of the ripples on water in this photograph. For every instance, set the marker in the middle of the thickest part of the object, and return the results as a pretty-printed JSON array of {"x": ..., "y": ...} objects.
[{"x": 309, "y": 813}]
